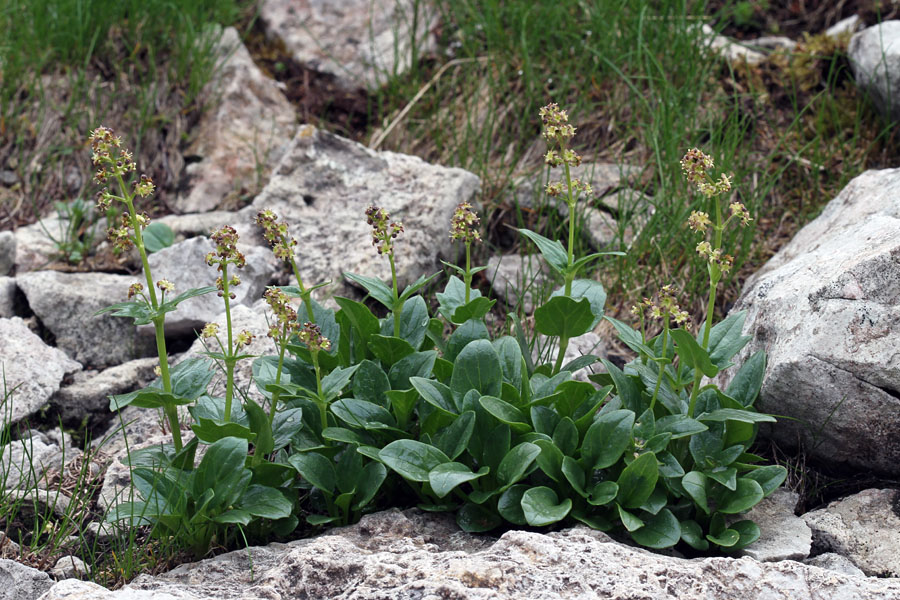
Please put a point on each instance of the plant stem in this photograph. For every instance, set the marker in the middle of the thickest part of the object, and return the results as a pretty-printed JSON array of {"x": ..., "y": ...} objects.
[
  {"x": 320, "y": 397},
  {"x": 229, "y": 354},
  {"x": 398, "y": 306},
  {"x": 304, "y": 293},
  {"x": 276, "y": 393},
  {"x": 468, "y": 275},
  {"x": 158, "y": 321},
  {"x": 662, "y": 366}
]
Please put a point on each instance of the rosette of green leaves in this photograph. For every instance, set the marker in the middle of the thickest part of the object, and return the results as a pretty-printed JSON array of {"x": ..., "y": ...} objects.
[{"x": 200, "y": 505}]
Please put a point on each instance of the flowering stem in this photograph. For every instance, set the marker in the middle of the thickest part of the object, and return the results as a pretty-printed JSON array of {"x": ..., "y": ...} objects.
[
  {"x": 304, "y": 293},
  {"x": 276, "y": 393},
  {"x": 398, "y": 306},
  {"x": 229, "y": 354},
  {"x": 158, "y": 320},
  {"x": 320, "y": 397},
  {"x": 468, "y": 275},
  {"x": 662, "y": 363}
]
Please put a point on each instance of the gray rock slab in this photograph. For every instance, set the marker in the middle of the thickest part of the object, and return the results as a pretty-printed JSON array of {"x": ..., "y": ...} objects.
[
  {"x": 33, "y": 370},
  {"x": 34, "y": 244},
  {"x": 184, "y": 264},
  {"x": 826, "y": 309},
  {"x": 850, "y": 25},
  {"x": 784, "y": 535},
  {"x": 24, "y": 462},
  {"x": 242, "y": 135},
  {"x": 8, "y": 289},
  {"x": 588, "y": 344},
  {"x": 835, "y": 562},
  {"x": 87, "y": 397},
  {"x": 134, "y": 427},
  {"x": 7, "y": 252},
  {"x": 410, "y": 555},
  {"x": 518, "y": 279},
  {"x": 864, "y": 528},
  {"x": 360, "y": 42},
  {"x": 875, "y": 60},
  {"x": 67, "y": 303},
  {"x": 18, "y": 582},
  {"x": 69, "y": 567},
  {"x": 322, "y": 188}
]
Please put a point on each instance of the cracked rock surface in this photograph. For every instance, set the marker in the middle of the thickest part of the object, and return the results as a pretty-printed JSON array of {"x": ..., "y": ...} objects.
[
  {"x": 826, "y": 309},
  {"x": 404, "y": 555}
]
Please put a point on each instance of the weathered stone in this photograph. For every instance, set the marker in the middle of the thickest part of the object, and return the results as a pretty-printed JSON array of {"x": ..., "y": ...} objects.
[
  {"x": 184, "y": 264},
  {"x": 516, "y": 279},
  {"x": 730, "y": 50},
  {"x": 34, "y": 247},
  {"x": 547, "y": 349},
  {"x": 42, "y": 503},
  {"x": 137, "y": 426},
  {"x": 242, "y": 136},
  {"x": 32, "y": 369},
  {"x": 835, "y": 562},
  {"x": 67, "y": 303},
  {"x": 784, "y": 536},
  {"x": 18, "y": 582},
  {"x": 849, "y": 26},
  {"x": 8, "y": 548},
  {"x": 360, "y": 42},
  {"x": 7, "y": 252},
  {"x": 875, "y": 60},
  {"x": 411, "y": 555},
  {"x": 23, "y": 462},
  {"x": 90, "y": 390},
  {"x": 8, "y": 289},
  {"x": 324, "y": 185},
  {"x": 116, "y": 487},
  {"x": 826, "y": 309},
  {"x": 773, "y": 42},
  {"x": 864, "y": 527},
  {"x": 196, "y": 224},
  {"x": 69, "y": 567}
]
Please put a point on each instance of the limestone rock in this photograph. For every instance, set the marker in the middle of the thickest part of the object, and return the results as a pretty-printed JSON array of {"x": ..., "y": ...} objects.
[
  {"x": 8, "y": 289},
  {"x": 583, "y": 345},
  {"x": 139, "y": 426},
  {"x": 516, "y": 279},
  {"x": 184, "y": 264},
  {"x": 23, "y": 462},
  {"x": 116, "y": 486},
  {"x": 784, "y": 536},
  {"x": 825, "y": 309},
  {"x": 242, "y": 136},
  {"x": 67, "y": 303},
  {"x": 411, "y": 555},
  {"x": 875, "y": 60},
  {"x": 32, "y": 369},
  {"x": 33, "y": 246},
  {"x": 89, "y": 391},
  {"x": 731, "y": 50},
  {"x": 324, "y": 185},
  {"x": 835, "y": 562},
  {"x": 69, "y": 567},
  {"x": 18, "y": 582},
  {"x": 360, "y": 42},
  {"x": 845, "y": 26},
  {"x": 7, "y": 252},
  {"x": 864, "y": 527}
]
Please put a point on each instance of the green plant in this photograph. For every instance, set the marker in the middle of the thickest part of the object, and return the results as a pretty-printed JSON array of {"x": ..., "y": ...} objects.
[{"x": 363, "y": 410}]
